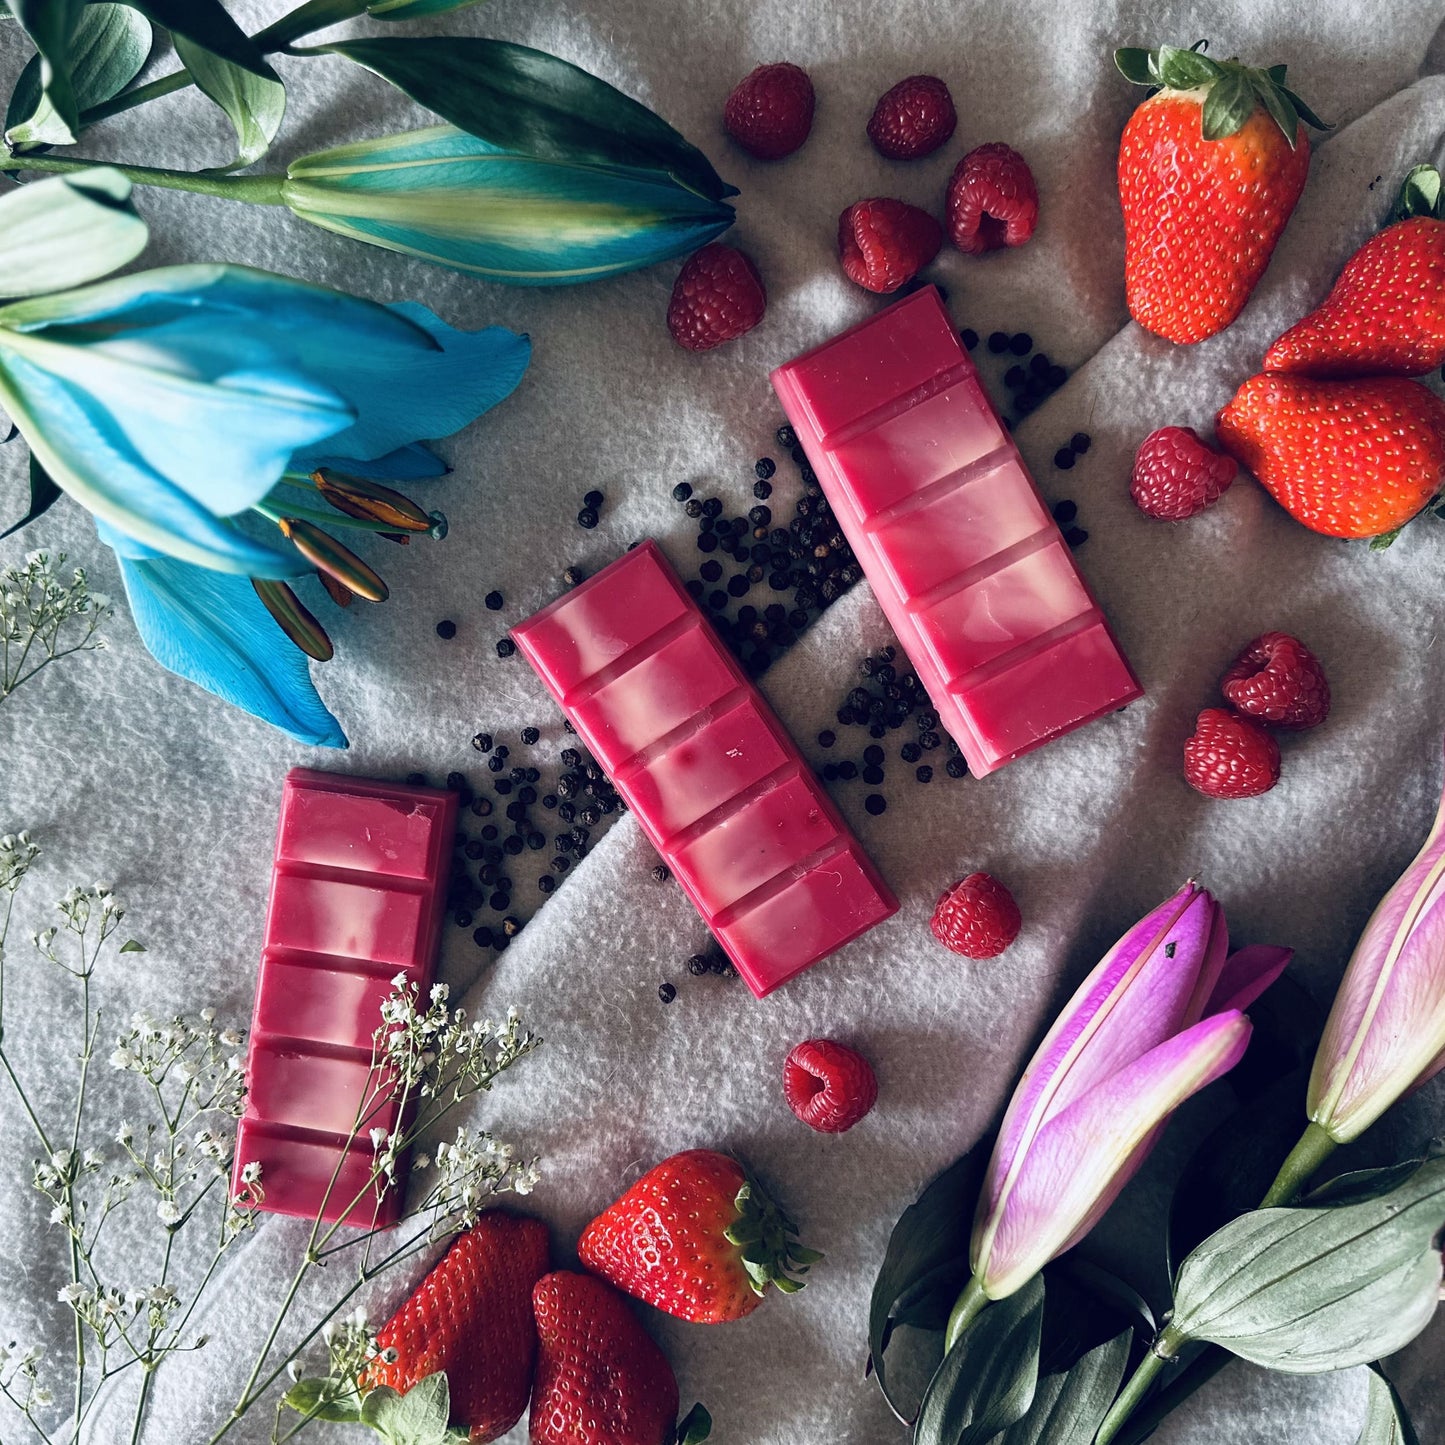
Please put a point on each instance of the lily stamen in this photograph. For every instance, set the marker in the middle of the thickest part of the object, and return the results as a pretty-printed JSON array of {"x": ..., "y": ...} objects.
[
  {"x": 294, "y": 618},
  {"x": 328, "y": 555}
]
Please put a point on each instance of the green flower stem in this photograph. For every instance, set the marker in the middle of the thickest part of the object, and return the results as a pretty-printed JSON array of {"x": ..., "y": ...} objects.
[
  {"x": 1314, "y": 1147},
  {"x": 966, "y": 1309},
  {"x": 1162, "y": 1353},
  {"x": 312, "y": 16},
  {"x": 277, "y": 509},
  {"x": 1194, "y": 1376},
  {"x": 262, "y": 190}
]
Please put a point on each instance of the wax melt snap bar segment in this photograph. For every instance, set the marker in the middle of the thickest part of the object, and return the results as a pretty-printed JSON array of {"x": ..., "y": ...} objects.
[
  {"x": 357, "y": 889},
  {"x": 949, "y": 528},
  {"x": 718, "y": 786}
]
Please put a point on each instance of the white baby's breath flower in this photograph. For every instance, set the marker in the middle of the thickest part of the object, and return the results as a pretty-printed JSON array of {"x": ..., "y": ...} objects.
[
  {"x": 440, "y": 992},
  {"x": 41, "y": 1396},
  {"x": 71, "y": 1293},
  {"x": 125, "y": 1133},
  {"x": 168, "y": 1212},
  {"x": 230, "y": 1038},
  {"x": 251, "y": 1172}
]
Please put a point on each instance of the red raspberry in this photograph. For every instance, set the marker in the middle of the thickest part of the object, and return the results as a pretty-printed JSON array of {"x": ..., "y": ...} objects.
[
  {"x": 977, "y": 917},
  {"x": 913, "y": 119},
  {"x": 1278, "y": 680},
  {"x": 770, "y": 112},
  {"x": 1227, "y": 756},
  {"x": 882, "y": 242},
  {"x": 992, "y": 200},
  {"x": 1176, "y": 475},
  {"x": 718, "y": 295},
  {"x": 828, "y": 1086}
]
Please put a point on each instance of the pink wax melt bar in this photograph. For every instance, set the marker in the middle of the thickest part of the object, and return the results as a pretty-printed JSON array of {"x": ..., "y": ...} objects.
[
  {"x": 952, "y": 534},
  {"x": 358, "y": 884},
  {"x": 718, "y": 786}
]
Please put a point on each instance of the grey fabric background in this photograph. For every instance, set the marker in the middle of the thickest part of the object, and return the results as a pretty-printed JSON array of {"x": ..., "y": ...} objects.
[{"x": 129, "y": 774}]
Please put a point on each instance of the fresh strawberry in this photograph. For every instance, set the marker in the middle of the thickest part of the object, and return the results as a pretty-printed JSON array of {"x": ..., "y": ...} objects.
[
  {"x": 912, "y": 119},
  {"x": 882, "y": 242},
  {"x": 992, "y": 200},
  {"x": 698, "y": 1238},
  {"x": 977, "y": 917},
  {"x": 1386, "y": 313},
  {"x": 1228, "y": 756},
  {"x": 718, "y": 295},
  {"x": 770, "y": 111},
  {"x": 1210, "y": 168},
  {"x": 1177, "y": 476},
  {"x": 600, "y": 1378},
  {"x": 828, "y": 1086},
  {"x": 1346, "y": 458},
  {"x": 1277, "y": 680},
  {"x": 471, "y": 1318}
]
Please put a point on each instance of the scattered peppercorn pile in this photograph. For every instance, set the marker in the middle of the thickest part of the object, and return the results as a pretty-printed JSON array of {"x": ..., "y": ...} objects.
[{"x": 777, "y": 579}]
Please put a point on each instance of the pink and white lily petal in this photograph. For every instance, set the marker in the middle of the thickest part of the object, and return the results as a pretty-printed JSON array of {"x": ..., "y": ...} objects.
[
  {"x": 1082, "y": 1157},
  {"x": 1142, "y": 993},
  {"x": 1246, "y": 974},
  {"x": 1386, "y": 1031}
]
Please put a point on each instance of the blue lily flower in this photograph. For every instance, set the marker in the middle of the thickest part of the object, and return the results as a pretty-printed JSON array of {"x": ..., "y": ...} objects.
[{"x": 175, "y": 404}]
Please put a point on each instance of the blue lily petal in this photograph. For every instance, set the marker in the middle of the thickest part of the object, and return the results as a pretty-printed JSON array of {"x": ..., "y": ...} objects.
[
  {"x": 87, "y": 454},
  {"x": 413, "y": 463},
  {"x": 457, "y": 200},
  {"x": 213, "y": 630},
  {"x": 402, "y": 392}
]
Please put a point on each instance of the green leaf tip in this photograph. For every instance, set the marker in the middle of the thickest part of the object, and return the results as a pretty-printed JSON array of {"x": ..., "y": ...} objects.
[
  {"x": 1420, "y": 195},
  {"x": 695, "y": 1426},
  {"x": 771, "y": 1253},
  {"x": 1231, "y": 90}
]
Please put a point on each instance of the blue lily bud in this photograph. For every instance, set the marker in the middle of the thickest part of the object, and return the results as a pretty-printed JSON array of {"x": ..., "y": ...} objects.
[{"x": 459, "y": 201}]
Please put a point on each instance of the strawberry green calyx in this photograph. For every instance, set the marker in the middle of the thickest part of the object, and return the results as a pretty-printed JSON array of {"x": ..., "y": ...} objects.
[
  {"x": 1231, "y": 90},
  {"x": 768, "y": 1240},
  {"x": 1420, "y": 195}
]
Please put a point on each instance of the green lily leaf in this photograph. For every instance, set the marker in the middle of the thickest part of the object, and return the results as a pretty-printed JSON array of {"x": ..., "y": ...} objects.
[
  {"x": 418, "y": 1417},
  {"x": 414, "y": 9},
  {"x": 987, "y": 1380},
  {"x": 108, "y": 47},
  {"x": 1068, "y": 1408},
  {"x": 43, "y": 494},
  {"x": 1322, "y": 1287},
  {"x": 50, "y": 24},
  {"x": 1386, "y": 1422},
  {"x": 529, "y": 103},
  {"x": 321, "y": 1399},
  {"x": 206, "y": 23},
  {"x": 67, "y": 230},
  {"x": 927, "y": 1256},
  {"x": 255, "y": 104}
]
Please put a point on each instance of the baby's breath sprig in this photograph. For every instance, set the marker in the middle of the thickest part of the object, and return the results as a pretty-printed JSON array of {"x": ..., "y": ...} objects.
[
  {"x": 160, "y": 1174},
  {"x": 169, "y": 1164},
  {"x": 44, "y": 617},
  {"x": 427, "y": 1058}
]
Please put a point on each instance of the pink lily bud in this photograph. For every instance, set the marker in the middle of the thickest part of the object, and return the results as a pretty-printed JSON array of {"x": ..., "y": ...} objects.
[
  {"x": 1386, "y": 1032},
  {"x": 1156, "y": 1021}
]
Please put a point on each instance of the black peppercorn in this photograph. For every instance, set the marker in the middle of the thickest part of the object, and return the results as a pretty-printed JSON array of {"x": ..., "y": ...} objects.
[
  {"x": 969, "y": 337},
  {"x": 706, "y": 542},
  {"x": 1021, "y": 344},
  {"x": 506, "y": 647},
  {"x": 924, "y": 774},
  {"x": 712, "y": 508},
  {"x": 667, "y": 992},
  {"x": 587, "y": 518},
  {"x": 593, "y": 500},
  {"x": 482, "y": 937},
  {"x": 482, "y": 742},
  {"x": 1076, "y": 536},
  {"x": 493, "y": 601},
  {"x": 512, "y": 845},
  {"x": 1014, "y": 377},
  {"x": 827, "y": 738},
  {"x": 697, "y": 965},
  {"x": 956, "y": 768},
  {"x": 847, "y": 771},
  {"x": 1080, "y": 441},
  {"x": 998, "y": 342}
]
